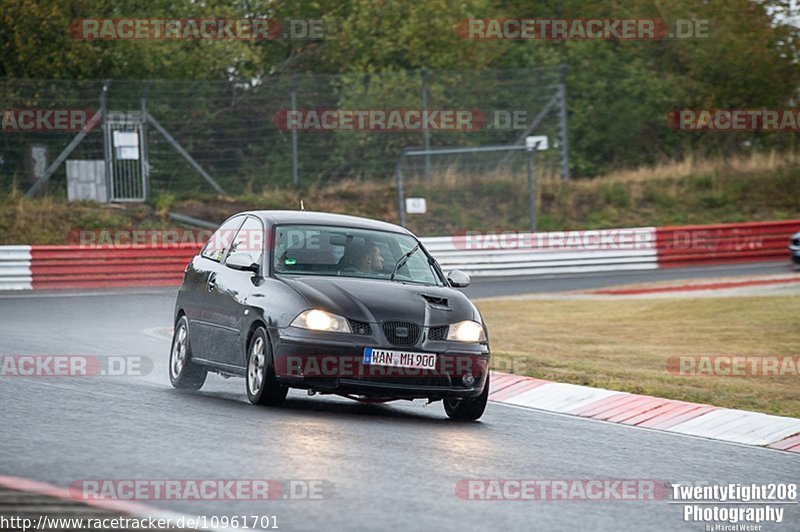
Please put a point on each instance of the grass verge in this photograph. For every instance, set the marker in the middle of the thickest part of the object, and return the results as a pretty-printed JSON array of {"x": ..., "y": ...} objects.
[{"x": 624, "y": 345}]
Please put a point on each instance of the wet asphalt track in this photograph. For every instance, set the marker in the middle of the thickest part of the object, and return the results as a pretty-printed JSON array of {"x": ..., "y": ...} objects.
[{"x": 388, "y": 467}]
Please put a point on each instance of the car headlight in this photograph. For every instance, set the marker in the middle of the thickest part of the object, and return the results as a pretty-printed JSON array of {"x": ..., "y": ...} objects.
[
  {"x": 319, "y": 320},
  {"x": 466, "y": 331}
]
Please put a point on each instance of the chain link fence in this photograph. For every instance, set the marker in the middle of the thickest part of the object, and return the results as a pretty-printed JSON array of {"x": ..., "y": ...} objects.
[{"x": 240, "y": 135}]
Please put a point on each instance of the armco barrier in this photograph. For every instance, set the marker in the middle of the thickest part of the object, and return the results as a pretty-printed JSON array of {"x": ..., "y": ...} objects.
[
  {"x": 15, "y": 268},
  {"x": 721, "y": 243},
  {"x": 88, "y": 267},
  {"x": 480, "y": 254},
  {"x": 487, "y": 254}
]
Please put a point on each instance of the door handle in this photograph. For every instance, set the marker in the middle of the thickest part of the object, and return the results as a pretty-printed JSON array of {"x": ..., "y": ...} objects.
[{"x": 212, "y": 282}]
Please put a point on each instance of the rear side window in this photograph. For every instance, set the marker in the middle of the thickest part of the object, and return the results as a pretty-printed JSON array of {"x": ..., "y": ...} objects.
[{"x": 219, "y": 243}]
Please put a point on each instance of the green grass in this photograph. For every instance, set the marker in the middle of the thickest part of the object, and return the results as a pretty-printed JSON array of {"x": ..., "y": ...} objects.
[{"x": 613, "y": 344}]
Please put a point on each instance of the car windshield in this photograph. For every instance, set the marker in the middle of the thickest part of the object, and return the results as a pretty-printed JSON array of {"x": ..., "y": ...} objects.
[{"x": 350, "y": 252}]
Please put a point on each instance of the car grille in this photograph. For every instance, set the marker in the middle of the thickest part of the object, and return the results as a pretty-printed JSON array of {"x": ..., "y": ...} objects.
[
  {"x": 401, "y": 333},
  {"x": 360, "y": 327},
  {"x": 438, "y": 333}
]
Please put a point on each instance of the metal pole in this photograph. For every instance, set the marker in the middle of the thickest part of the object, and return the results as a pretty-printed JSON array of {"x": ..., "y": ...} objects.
[
  {"x": 295, "y": 178},
  {"x": 143, "y": 140},
  {"x": 401, "y": 202},
  {"x": 426, "y": 134},
  {"x": 532, "y": 187},
  {"x": 473, "y": 149},
  {"x": 562, "y": 115},
  {"x": 107, "y": 140}
]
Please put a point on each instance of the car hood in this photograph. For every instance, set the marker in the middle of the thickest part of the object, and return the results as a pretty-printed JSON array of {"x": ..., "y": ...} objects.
[{"x": 378, "y": 301}]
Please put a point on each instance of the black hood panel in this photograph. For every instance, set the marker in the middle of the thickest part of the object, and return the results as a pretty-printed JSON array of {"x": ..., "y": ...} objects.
[{"x": 379, "y": 301}]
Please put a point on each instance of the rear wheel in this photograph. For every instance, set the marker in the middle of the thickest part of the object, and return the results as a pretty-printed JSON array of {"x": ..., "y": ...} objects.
[
  {"x": 262, "y": 389},
  {"x": 183, "y": 373},
  {"x": 467, "y": 408}
]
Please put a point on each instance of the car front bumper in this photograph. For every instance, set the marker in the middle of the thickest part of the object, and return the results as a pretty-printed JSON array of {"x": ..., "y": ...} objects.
[{"x": 333, "y": 363}]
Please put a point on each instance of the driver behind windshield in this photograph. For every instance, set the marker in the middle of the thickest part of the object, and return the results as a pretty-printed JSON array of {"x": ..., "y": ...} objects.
[{"x": 364, "y": 258}]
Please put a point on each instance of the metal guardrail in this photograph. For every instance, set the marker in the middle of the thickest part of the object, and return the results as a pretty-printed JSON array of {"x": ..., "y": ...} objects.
[
  {"x": 191, "y": 221},
  {"x": 514, "y": 253},
  {"x": 90, "y": 267},
  {"x": 15, "y": 268},
  {"x": 720, "y": 243}
]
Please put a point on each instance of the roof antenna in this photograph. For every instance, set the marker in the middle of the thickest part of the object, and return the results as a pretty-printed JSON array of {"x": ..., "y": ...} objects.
[{"x": 302, "y": 207}]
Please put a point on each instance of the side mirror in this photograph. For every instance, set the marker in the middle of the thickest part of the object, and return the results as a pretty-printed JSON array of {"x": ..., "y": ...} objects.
[
  {"x": 243, "y": 261},
  {"x": 458, "y": 279}
]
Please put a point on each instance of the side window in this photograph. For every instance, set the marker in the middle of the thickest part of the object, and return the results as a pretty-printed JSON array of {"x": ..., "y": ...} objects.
[
  {"x": 220, "y": 241},
  {"x": 250, "y": 238}
]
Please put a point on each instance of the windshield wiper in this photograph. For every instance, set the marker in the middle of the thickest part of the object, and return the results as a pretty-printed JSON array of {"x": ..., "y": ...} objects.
[{"x": 402, "y": 261}]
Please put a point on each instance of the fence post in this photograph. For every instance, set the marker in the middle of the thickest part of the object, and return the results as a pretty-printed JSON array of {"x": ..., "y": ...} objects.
[
  {"x": 144, "y": 154},
  {"x": 401, "y": 202},
  {"x": 532, "y": 187},
  {"x": 295, "y": 178},
  {"x": 562, "y": 115},
  {"x": 107, "y": 156},
  {"x": 426, "y": 134}
]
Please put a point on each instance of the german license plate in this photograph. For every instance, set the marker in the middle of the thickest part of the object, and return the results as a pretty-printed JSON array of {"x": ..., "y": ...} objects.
[{"x": 398, "y": 359}]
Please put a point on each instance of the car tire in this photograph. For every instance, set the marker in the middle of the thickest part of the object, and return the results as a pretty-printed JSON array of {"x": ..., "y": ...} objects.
[
  {"x": 183, "y": 373},
  {"x": 467, "y": 408},
  {"x": 262, "y": 389}
]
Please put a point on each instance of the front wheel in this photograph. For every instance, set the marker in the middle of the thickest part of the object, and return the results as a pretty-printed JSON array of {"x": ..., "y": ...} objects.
[
  {"x": 183, "y": 373},
  {"x": 261, "y": 386},
  {"x": 467, "y": 408}
]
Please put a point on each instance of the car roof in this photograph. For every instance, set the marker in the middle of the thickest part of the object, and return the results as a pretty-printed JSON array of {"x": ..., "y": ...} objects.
[{"x": 325, "y": 218}]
